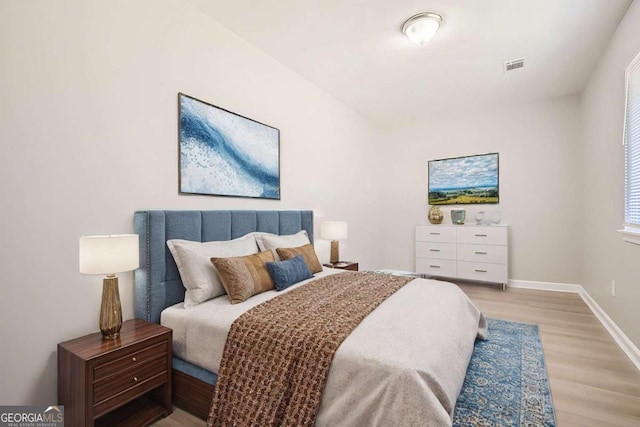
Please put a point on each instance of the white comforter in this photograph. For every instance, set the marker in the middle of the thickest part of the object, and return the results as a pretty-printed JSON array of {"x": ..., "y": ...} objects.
[{"x": 404, "y": 365}]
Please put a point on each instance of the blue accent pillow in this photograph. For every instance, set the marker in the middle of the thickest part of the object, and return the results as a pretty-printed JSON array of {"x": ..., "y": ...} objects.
[{"x": 286, "y": 273}]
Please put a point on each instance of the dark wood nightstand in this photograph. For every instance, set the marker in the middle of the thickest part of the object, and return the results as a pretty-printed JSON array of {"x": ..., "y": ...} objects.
[
  {"x": 344, "y": 265},
  {"x": 123, "y": 382}
]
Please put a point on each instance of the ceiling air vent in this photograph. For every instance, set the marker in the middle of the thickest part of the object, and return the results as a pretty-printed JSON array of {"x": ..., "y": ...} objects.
[{"x": 514, "y": 64}]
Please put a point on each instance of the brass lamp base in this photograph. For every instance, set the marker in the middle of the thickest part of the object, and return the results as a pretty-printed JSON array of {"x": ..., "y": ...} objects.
[
  {"x": 335, "y": 252},
  {"x": 110, "y": 310}
]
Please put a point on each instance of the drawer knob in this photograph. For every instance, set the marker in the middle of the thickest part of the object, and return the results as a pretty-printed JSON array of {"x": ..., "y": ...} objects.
[
  {"x": 481, "y": 271},
  {"x": 434, "y": 266},
  {"x": 480, "y": 253},
  {"x": 481, "y": 235},
  {"x": 134, "y": 359},
  {"x": 434, "y": 250},
  {"x": 435, "y": 234},
  {"x": 135, "y": 379}
]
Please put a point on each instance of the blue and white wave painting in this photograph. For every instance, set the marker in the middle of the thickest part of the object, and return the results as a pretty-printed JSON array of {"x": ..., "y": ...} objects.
[{"x": 225, "y": 154}]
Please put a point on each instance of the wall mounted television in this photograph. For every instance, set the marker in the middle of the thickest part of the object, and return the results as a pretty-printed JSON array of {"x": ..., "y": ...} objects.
[{"x": 464, "y": 180}]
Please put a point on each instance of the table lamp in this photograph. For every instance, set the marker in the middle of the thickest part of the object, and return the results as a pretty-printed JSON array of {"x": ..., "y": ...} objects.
[
  {"x": 334, "y": 231},
  {"x": 109, "y": 255}
]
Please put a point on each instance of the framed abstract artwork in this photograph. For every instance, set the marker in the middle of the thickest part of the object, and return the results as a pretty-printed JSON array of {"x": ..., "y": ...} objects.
[{"x": 226, "y": 154}]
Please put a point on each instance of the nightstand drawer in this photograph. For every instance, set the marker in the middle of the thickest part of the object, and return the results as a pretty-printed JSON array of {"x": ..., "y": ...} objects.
[
  {"x": 129, "y": 394},
  {"x": 135, "y": 377},
  {"x": 135, "y": 358}
]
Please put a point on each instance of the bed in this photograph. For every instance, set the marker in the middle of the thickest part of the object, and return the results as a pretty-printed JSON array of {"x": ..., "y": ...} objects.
[{"x": 403, "y": 365}]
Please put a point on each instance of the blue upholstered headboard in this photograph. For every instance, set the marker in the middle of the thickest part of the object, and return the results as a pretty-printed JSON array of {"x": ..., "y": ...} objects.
[{"x": 157, "y": 281}]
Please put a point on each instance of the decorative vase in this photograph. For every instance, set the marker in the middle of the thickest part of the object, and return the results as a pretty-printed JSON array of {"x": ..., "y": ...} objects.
[
  {"x": 435, "y": 215},
  {"x": 496, "y": 217},
  {"x": 479, "y": 217},
  {"x": 457, "y": 216}
]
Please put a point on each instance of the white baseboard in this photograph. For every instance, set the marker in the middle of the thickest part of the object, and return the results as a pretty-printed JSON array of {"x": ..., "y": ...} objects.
[
  {"x": 623, "y": 341},
  {"x": 546, "y": 286},
  {"x": 629, "y": 348}
]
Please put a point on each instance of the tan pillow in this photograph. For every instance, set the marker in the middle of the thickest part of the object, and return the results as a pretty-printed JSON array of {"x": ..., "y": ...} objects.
[
  {"x": 245, "y": 276},
  {"x": 307, "y": 252}
]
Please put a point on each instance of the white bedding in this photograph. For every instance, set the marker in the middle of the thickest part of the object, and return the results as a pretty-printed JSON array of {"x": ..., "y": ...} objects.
[{"x": 403, "y": 365}]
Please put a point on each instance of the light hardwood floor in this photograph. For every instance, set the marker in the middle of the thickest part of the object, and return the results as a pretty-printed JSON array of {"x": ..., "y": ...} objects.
[{"x": 593, "y": 383}]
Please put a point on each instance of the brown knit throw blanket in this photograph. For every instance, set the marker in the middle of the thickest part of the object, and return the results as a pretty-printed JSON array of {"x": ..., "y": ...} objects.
[{"x": 277, "y": 355}]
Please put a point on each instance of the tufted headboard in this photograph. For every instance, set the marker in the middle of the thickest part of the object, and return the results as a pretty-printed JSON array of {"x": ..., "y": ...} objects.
[{"x": 157, "y": 281}]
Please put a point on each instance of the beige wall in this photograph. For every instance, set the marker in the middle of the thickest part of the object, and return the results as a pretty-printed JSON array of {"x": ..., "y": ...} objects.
[
  {"x": 606, "y": 256},
  {"x": 540, "y": 183},
  {"x": 88, "y": 119}
]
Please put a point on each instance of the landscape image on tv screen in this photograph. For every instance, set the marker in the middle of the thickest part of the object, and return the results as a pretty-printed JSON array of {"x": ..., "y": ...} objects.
[{"x": 464, "y": 180}]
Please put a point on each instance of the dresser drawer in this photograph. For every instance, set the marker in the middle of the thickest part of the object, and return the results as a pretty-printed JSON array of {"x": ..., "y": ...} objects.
[
  {"x": 482, "y": 253},
  {"x": 483, "y": 235},
  {"x": 436, "y": 250},
  {"x": 436, "y": 234},
  {"x": 131, "y": 378},
  {"x": 130, "y": 360},
  {"x": 480, "y": 271},
  {"x": 436, "y": 267}
]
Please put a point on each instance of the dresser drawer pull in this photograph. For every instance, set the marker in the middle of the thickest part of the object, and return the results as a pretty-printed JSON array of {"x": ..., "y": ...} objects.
[
  {"x": 481, "y": 235},
  {"x": 434, "y": 266},
  {"x": 435, "y": 234},
  {"x": 135, "y": 379},
  {"x": 481, "y": 271},
  {"x": 434, "y": 250},
  {"x": 134, "y": 359},
  {"x": 480, "y": 253}
]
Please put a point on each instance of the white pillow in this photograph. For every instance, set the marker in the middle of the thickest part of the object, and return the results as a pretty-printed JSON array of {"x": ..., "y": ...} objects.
[
  {"x": 199, "y": 276},
  {"x": 268, "y": 241}
]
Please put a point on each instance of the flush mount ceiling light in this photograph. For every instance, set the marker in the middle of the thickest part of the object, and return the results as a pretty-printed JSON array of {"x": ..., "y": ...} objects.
[{"x": 422, "y": 27}]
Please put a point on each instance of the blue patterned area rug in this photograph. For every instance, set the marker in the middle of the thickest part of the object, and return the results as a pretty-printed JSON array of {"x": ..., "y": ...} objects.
[{"x": 506, "y": 382}]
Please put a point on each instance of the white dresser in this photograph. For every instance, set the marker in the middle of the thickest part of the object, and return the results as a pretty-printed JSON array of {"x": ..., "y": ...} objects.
[{"x": 470, "y": 252}]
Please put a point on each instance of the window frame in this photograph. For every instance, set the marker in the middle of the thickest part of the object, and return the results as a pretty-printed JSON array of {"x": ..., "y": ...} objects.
[{"x": 631, "y": 226}]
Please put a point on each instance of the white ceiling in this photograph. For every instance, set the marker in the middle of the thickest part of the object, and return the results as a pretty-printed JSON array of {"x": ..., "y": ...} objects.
[{"x": 354, "y": 50}]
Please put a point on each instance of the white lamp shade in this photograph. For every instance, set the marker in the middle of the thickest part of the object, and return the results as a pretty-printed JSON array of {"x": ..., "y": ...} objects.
[
  {"x": 334, "y": 230},
  {"x": 109, "y": 254},
  {"x": 422, "y": 27}
]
